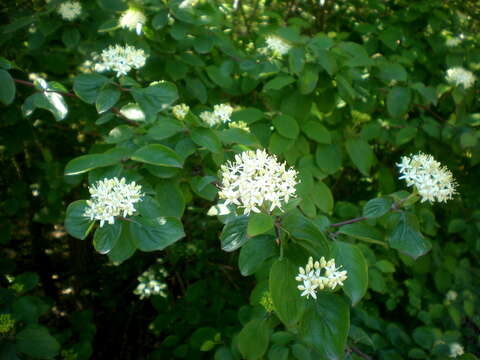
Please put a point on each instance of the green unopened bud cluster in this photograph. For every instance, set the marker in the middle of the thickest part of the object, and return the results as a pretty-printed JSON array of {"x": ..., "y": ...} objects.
[{"x": 7, "y": 323}]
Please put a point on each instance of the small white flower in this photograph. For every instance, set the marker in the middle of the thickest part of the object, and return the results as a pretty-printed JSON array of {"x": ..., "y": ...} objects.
[
  {"x": 433, "y": 181},
  {"x": 277, "y": 45},
  {"x": 223, "y": 112},
  {"x": 459, "y": 76},
  {"x": 121, "y": 59},
  {"x": 152, "y": 282},
  {"x": 133, "y": 19},
  {"x": 111, "y": 198},
  {"x": 180, "y": 111},
  {"x": 453, "y": 41},
  {"x": 242, "y": 125},
  {"x": 70, "y": 10},
  {"x": 256, "y": 181},
  {"x": 451, "y": 296},
  {"x": 209, "y": 118},
  {"x": 456, "y": 350},
  {"x": 319, "y": 275}
]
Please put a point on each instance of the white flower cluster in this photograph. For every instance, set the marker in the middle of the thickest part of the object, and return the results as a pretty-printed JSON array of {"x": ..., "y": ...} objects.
[
  {"x": 112, "y": 197},
  {"x": 456, "y": 350},
  {"x": 277, "y": 45},
  {"x": 132, "y": 19},
  {"x": 180, "y": 111},
  {"x": 453, "y": 41},
  {"x": 433, "y": 181},
  {"x": 152, "y": 282},
  {"x": 70, "y": 10},
  {"x": 239, "y": 125},
  {"x": 314, "y": 278},
  {"x": 451, "y": 296},
  {"x": 256, "y": 181},
  {"x": 121, "y": 59},
  {"x": 221, "y": 114},
  {"x": 459, "y": 76}
]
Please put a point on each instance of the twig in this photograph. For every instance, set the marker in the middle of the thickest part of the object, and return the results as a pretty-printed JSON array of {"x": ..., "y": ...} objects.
[
  {"x": 350, "y": 221},
  {"x": 433, "y": 113},
  {"x": 360, "y": 352}
]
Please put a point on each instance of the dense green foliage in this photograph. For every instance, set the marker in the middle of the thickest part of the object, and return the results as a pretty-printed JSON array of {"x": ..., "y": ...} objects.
[{"x": 363, "y": 84}]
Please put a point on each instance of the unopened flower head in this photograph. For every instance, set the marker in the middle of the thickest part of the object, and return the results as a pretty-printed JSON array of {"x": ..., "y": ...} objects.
[
  {"x": 152, "y": 282},
  {"x": 456, "y": 350},
  {"x": 319, "y": 275},
  {"x": 70, "y": 10},
  {"x": 433, "y": 181},
  {"x": 111, "y": 198},
  {"x": 133, "y": 19},
  {"x": 121, "y": 59},
  {"x": 459, "y": 76},
  {"x": 7, "y": 323},
  {"x": 453, "y": 41},
  {"x": 239, "y": 125},
  {"x": 256, "y": 181},
  {"x": 180, "y": 111},
  {"x": 277, "y": 45}
]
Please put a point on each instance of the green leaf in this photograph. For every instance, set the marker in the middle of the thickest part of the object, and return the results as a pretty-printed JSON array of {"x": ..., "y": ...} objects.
[
  {"x": 352, "y": 260},
  {"x": 278, "y": 82},
  {"x": 155, "y": 98},
  {"x": 159, "y": 155},
  {"x": 255, "y": 252},
  {"x": 361, "y": 154},
  {"x": 170, "y": 198},
  {"x": 392, "y": 71},
  {"x": 28, "y": 308},
  {"x": 377, "y": 207},
  {"x": 237, "y": 136},
  {"x": 325, "y": 326},
  {"x": 322, "y": 197},
  {"x": 363, "y": 232},
  {"x": 287, "y": 302},
  {"x": 87, "y": 86},
  {"x": 71, "y": 38},
  {"x": 50, "y": 101},
  {"x": 329, "y": 158},
  {"x": 398, "y": 101},
  {"x": 89, "y": 162},
  {"x": 356, "y": 54},
  {"x": 316, "y": 131},
  {"x": 106, "y": 98},
  {"x": 259, "y": 223},
  {"x": 287, "y": 126},
  {"x": 301, "y": 352},
  {"x": 124, "y": 247},
  {"x": 308, "y": 79},
  {"x": 253, "y": 339},
  {"x": 197, "y": 89},
  {"x": 106, "y": 237},
  {"x": 76, "y": 223},
  {"x": 156, "y": 234},
  {"x": 234, "y": 233},
  {"x": 306, "y": 234},
  {"x": 296, "y": 60},
  {"x": 406, "y": 238},
  {"x": 206, "y": 138},
  {"x": 278, "y": 352},
  {"x": 165, "y": 128},
  {"x": 7, "y": 87},
  {"x": 119, "y": 134},
  {"x": 385, "y": 266},
  {"x": 36, "y": 341}
]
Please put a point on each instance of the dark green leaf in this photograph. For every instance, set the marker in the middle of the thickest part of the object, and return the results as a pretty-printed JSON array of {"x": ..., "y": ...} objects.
[
  {"x": 377, "y": 207},
  {"x": 87, "y": 86},
  {"x": 159, "y": 155},
  {"x": 253, "y": 339},
  {"x": 106, "y": 237},
  {"x": 287, "y": 302},
  {"x": 125, "y": 246},
  {"x": 7, "y": 87},
  {"x": 255, "y": 252},
  {"x": 287, "y": 126},
  {"x": 406, "y": 238},
  {"x": 76, "y": 223},
  {"x": 352, "y": 260},
  {"x": 156, "y": 98},
  {"x": 361, "y": 155},
  {"x": 234, "y": 233},
  {"x": 37, "y": 342},
  {"x": 259, "y": 223},
  {"x": 398, "y": 101},
  {"x": 206, "y": 138},
  {"x": 316, "y": 131},
  {"x": 306, "y": 234},
  {"x": 106, "y": 98},
  {"x": 156, "y": 234},
  {"x": 325, "y": 326}
]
